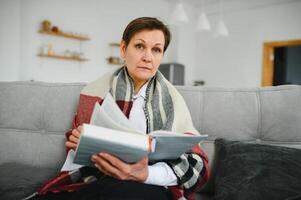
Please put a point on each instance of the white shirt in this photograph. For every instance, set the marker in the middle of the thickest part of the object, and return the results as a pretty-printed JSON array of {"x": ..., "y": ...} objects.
[{"x": 159, "y": 173}]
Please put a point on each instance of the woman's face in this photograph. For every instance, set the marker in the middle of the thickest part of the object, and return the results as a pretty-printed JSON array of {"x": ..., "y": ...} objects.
[{"x": 143, "y": 54}]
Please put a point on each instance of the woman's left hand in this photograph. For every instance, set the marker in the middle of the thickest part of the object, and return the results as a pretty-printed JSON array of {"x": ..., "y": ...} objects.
[{"x": 112, "y": 166}]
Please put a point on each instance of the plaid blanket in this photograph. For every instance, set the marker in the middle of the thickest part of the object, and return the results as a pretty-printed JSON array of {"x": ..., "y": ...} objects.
[{"x": 164, "y": 108}]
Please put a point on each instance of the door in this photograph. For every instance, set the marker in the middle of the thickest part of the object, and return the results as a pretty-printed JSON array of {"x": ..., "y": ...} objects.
[{"x": 281, "y": 63}]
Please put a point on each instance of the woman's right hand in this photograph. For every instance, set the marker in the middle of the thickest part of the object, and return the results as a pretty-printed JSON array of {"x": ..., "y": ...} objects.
[{"x": 73, "y": 138}]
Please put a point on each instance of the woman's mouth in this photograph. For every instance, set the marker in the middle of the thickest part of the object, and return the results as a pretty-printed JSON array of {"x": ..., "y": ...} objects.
[{"x": 144, "y": 68}]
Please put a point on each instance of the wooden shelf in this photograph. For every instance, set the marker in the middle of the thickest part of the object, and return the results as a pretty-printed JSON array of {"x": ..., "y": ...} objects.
[
  {"x": 63, "y": 57},
  {"x": 114, "y": 44},
  {"x": 115, "y": 60},
  {"x": 66, "y": 35}
]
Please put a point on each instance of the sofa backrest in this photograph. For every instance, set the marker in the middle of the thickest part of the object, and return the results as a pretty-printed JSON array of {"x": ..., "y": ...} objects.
[
  {"x": 34, "y": 117},
  {"x": 267, "y": 115}
]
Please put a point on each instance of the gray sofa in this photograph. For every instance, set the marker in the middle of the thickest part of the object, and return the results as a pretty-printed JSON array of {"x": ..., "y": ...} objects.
[{"x": 34, "y": 117}]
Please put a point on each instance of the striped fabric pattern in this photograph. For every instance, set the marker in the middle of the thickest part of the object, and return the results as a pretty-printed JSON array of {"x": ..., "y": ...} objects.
[{"x": 158, "y": 99}]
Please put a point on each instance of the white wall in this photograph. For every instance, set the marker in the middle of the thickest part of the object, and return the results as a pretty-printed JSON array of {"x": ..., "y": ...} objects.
[
  {"x": 236, "y": 61},
  {"x": 9, "y": 40},
  {"x": 232, "y": 62},
  {"x": 104, "y": 22}
]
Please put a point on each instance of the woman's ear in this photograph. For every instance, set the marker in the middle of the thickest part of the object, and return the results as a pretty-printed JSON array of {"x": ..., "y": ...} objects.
[{"x": 122, "y": 49}]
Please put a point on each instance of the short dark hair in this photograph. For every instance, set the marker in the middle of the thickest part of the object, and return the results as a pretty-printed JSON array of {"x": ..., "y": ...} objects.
[{"x": 145, "y": 23}]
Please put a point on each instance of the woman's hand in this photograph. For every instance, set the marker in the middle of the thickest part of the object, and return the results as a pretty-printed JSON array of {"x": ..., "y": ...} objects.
[
  {"x": 112, "y": 166},
  {"x": 74, "y": 138}
]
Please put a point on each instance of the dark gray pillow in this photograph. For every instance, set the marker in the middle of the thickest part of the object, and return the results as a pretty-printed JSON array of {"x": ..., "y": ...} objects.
[
  {"x": 18, "y": 180},
  {"x": 253, "y": 171}
]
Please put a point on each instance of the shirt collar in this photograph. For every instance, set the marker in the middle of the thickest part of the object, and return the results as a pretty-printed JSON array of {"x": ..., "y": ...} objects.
[{"x": 141, "y": 93}]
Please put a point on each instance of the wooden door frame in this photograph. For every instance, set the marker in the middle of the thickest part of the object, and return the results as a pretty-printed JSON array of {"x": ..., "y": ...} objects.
[{"x": 268, "y": 58}]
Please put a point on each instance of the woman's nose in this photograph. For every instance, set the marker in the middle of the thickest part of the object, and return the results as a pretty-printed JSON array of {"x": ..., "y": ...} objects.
[{"x": 147, "y": 56}]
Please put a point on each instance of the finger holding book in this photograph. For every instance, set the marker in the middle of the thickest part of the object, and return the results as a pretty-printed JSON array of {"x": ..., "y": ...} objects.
[
  {"x": 74, "y": 138},
  {"x": 113, "y": 166}
]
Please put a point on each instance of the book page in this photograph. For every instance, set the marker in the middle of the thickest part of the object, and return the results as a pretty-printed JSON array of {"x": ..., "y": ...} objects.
[
  {"x": 109, "y": 115},
  {"x": 69, "y": 165},
  {"x": 168, "y": 133},
  {"x": 110, "y": 107}
]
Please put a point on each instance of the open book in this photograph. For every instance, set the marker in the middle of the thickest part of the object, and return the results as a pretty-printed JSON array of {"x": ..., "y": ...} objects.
[{"x": 110, "y": 131}]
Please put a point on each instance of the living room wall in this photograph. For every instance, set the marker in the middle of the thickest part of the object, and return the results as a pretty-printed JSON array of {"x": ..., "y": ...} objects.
[
  {"x": 103, "y": 21},
  {"x": 234, "y": 61},
  {"x": 9, "y": 40}
]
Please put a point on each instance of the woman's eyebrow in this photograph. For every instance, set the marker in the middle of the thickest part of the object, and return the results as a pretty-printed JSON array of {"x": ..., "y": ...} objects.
[
  {"x": 141, "y": 40},
  {"x": 157, "y": 44}
]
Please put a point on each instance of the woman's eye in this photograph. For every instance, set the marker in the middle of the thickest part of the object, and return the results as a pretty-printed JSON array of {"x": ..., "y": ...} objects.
[
  {"x": 139, "y": 46},
  {"x": 157, "y": 50}
]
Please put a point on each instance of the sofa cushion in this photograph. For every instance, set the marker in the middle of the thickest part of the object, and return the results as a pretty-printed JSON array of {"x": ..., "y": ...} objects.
[
  {"x": 281, "y": 113},
  {"x": 21, "y": 105},
  {"x": 18, "y": 180},
  {"x": 38, "y": 106},
  {"x": 222, "y": 112},
  {"x": 41, "y": 149},
  {"x": 256, "y": 171}
]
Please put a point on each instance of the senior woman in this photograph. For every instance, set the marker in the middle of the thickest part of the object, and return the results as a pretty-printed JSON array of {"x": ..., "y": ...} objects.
[{"x": 151, "y": 103}]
